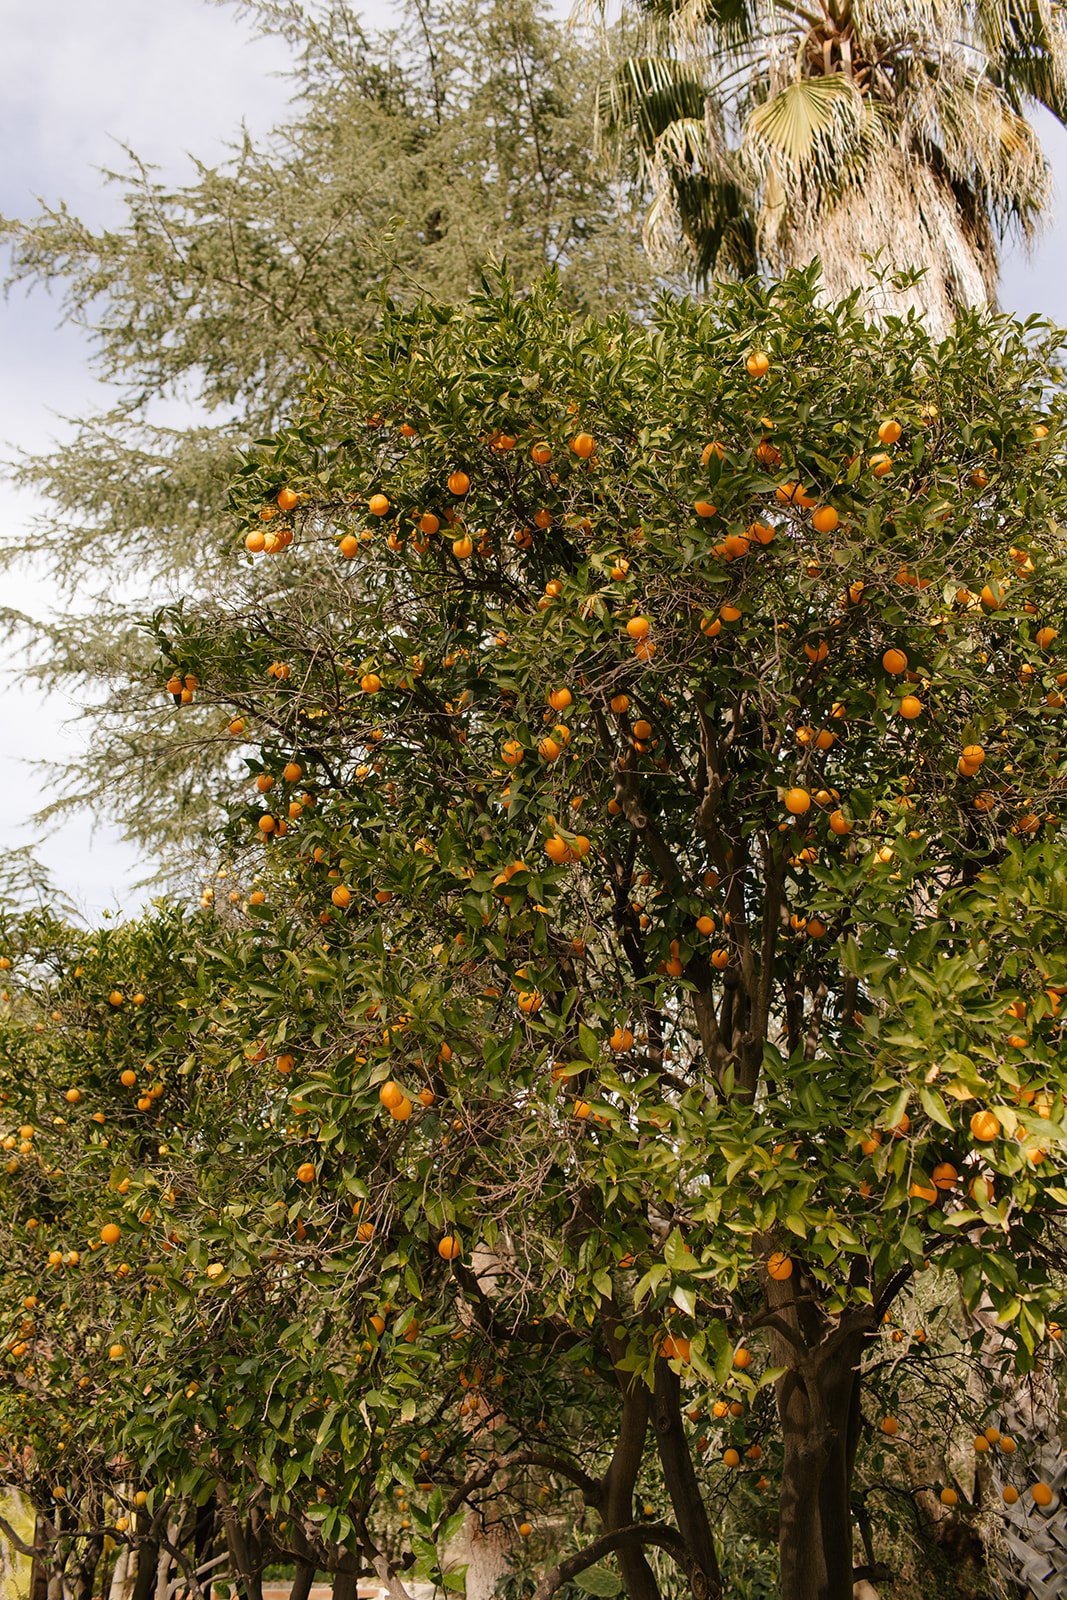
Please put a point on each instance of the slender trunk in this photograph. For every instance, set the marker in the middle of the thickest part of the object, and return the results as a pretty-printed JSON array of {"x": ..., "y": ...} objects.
[
  {"x": 204, "y": 1539},
  {"x": 690, "y": 1512},
  {"x": 302, "y": 1580},
  {"x": 122, "y": 1576},
  {"x": 147, "y": 1556},
  {"x": 617, "y": 1510},
  {"x": 39, "y": 1566}
]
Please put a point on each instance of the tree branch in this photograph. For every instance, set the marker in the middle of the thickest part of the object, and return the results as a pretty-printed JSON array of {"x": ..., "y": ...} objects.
[{"x": 656, "y": 1533}]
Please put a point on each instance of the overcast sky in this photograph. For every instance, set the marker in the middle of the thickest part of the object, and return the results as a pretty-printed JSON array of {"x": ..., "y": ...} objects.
[{"x": 169, "y": 78}]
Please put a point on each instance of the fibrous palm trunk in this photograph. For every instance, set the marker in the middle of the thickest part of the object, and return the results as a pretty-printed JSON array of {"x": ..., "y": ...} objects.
[{"x": 902, "y": 216}]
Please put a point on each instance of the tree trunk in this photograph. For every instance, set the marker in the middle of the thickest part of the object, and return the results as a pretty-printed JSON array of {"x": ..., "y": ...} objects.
[
  {"x": 483, "y": 1545},
  {"x": 39, "y": 1565},
  {"x": 617, "y": 1510},
  {"x": 303, "y": 1579},
  {"x": 345, "y": 1584},
  {"x": 818, "y": 1405},
  {"x": 147, "y": 1556},
  {"x": 909, "y": 212},
  {"x": 690, "y": 1511},
  {"x": 123, "y": 1574}
]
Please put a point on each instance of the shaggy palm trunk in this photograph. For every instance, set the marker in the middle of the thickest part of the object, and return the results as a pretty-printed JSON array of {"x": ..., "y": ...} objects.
[{"x": 907, "y": 215}]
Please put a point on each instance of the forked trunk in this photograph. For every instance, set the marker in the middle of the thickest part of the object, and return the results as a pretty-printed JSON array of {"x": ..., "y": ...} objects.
[
  {"x": 617, "y": 1510},
  {"x": 680, "y": 1477},
  {"x": 818, "y": 1405}
]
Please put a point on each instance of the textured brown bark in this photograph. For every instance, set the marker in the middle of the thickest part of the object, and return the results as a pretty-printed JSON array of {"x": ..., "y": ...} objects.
[
  {"x": 147, "y": 1559},
  {"x": 303, "y": 1578},
  {"x": 680, "y": 1477},
  {"x": 617, "y": 1508},
  {"x": 818, "y": 1405},
  {"x": 39, "y": 1567},
  {"x": 345, "y": 1585}
]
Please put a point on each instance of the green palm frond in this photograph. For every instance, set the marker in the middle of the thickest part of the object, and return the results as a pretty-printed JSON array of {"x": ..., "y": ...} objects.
[
  {"x": 646, "y": 96},
  {"x": 810, "y": 130}
]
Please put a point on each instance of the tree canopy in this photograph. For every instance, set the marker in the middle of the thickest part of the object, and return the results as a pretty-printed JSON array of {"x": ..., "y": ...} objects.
[{"x": 636, "y": 963}]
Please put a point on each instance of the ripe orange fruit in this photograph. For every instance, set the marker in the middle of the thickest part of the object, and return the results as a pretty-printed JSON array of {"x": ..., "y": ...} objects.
[
  {"x": 449, "y": 1247},
  {"x": 525, "y": 1529},
  {"x": 945, "y": 1176},
  {"x": 1010, "y": 1494},
  {"x": 742, "y": 1358},
  {"x": 110, "y": 1233},
  {"x": 889, "y": 431},
  {"x": 911, "y": 707},
  {"x": 1041, "y": 1494},
  {"x": 895, "y": 662},
  {"x": 116, "y": 1352},
  {"x": 557, "y": 850},
  {"x": 890, "y": 1426},
  {"x": 720, "y": 959},
  {"x": 402, "y": 1111},
  {"x": 378, "y": 505},
  {"x": 458, "y": 483},
  {"x": 824, "y": 519},
  {"x": 638, "y": 628},
  {"x": 390, "y": 1094},
  {"x": 348, "y": 545},
  {"x": 797, "y": 802},
  {"x": 115, "y": 998},
  {"x": 779, "y": 1267},
  {"x": 287, "y": 499},
  {"x": 583, "y": 445},
  {"x": 705, "y": 924},
  {"x": 72, "y": 1096},
  {"x": 511, "y": 753},
  {"x": 541, "y": 453},
  {"x": 622, "y": 1040},
  {"x": 984, "y": 1126},
  {"x": 582, "y": 1108},
  {"x": 949, "y": 1497},
  {"x": 675, "y": 1347},
  {"x": 620, "y": 703},
  {"x": 703, "y": 508},
  {"x": 463, "y": 548},
  {"x": 758, "y": 364},
  {"x": 341, "y": 896},
  {"x": 559, "y": 699},
  {"x": 128, "y": 1078},
  {"x": 292, "y": 772},
  {"x": 993, "y": 595},
  {"x": 306, "y": 1172},
  {"x": 839, "y": 823},
  {"x": 1046, "y": 637},
  {"x": 880, "y": 464}
]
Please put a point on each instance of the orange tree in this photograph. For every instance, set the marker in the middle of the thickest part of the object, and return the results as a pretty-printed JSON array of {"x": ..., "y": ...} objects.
[{"x": 649, "y": 926}]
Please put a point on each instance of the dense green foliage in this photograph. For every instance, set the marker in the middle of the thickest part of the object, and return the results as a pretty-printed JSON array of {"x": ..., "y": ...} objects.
[{"x": 679, "y": 1031}]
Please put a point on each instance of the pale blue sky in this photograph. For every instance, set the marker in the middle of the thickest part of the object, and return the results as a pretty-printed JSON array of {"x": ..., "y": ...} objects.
[{"x": 169, "y": 78}]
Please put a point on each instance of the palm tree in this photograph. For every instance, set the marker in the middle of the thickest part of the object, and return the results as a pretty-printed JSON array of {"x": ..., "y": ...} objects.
[{"x": 774, "y": 131}]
